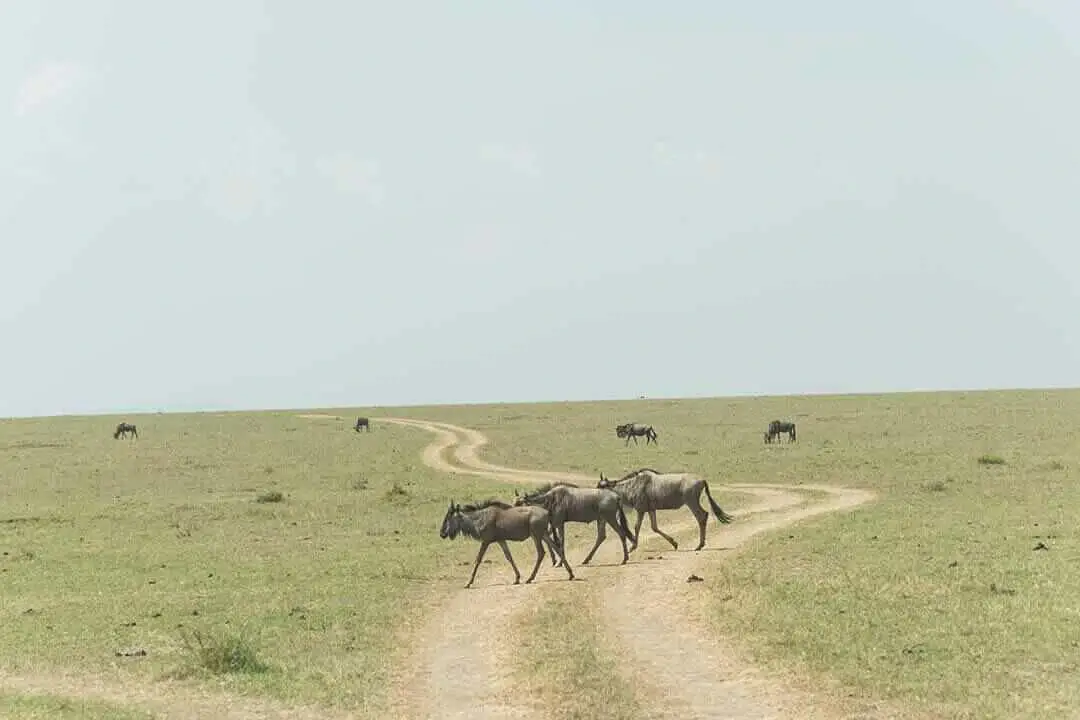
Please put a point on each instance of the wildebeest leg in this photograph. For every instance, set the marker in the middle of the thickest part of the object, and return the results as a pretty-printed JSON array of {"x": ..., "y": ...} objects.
[
  {"x": 561, "y": 547},
  {"x": 510, "y": 559},
  {"x": 637, "y": 530},
  {"x": 551, "y": 549},
  {"x": 661, "y": 533},
  {"x": 702, "y": 517},
  {"x": 539, "y": 557},
  {"x": 476, "y": 565},
  {"x": 601, "y": 535},
  {"x": 622, "y": 539}
]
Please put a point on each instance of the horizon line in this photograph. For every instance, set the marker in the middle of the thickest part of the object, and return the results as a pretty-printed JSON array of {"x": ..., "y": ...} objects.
[{"x": 479, "y": 403}]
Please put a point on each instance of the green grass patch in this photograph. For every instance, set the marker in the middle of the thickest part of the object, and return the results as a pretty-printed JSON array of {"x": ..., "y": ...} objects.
[
  {"x": 222, "y": 652},
  {"x": 991, "y": 460}
]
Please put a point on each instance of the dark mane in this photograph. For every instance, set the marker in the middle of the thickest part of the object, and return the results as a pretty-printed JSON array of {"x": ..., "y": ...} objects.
[
  {"x": 638, "y": 472},
  {"x": 485, "y": 504},
  {"x": 547, "y": 486}
]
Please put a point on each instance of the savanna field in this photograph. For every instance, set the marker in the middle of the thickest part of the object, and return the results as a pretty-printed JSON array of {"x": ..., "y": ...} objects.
[{"x": 271, "y": 554}]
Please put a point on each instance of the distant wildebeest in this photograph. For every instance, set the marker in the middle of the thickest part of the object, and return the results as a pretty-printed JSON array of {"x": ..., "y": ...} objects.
[
  {"x": 493, "y": 521},
  {"x": 633, "y": 430},
  {"x": 123, "y": 429},
  {"x": 362, "y": 422},
  {"x": 777, "y": 428},
  {"x": 647, "y": 491},
  {"x": 567, "y": 502}
]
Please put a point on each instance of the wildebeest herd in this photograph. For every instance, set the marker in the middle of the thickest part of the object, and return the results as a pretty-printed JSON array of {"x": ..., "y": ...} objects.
[{"x": 543, "y": 513}]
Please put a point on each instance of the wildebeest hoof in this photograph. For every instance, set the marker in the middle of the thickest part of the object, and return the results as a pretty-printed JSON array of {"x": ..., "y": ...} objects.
[{"x": 694, "y": 578}]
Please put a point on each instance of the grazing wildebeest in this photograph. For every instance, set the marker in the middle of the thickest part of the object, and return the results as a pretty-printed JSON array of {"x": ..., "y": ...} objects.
[
  {"x": 567, "y": 502},
  {"x": 493, "y": 521},
  {"x": 633, "y": 430},
  {"x": 123, "y": 429},
  {"x": 777, "y": 428},
  {"x": 362, "y": 422},
  {"x": 647, "y": 491}
]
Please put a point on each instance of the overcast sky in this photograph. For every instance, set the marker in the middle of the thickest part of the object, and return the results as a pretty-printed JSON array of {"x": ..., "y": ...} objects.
[{"x": 246, "y": 204}]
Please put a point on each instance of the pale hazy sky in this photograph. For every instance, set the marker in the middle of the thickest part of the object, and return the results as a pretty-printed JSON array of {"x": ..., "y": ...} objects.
[{"x": 238, "y": 204}]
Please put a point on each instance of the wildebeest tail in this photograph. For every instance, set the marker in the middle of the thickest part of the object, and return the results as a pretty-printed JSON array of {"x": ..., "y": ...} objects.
[
  {"x": 717, "y": 510},
  {"x": 625, "y": 526}
]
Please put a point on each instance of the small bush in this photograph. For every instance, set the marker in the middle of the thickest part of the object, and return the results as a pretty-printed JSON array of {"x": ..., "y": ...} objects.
[
  {"x": 991, "y": 460},
  {"x": 226, "y": 653},
  {"x": 936, "y": 486},
  {"x": 270, "y": 497},
  {"x": 396, "y": 492}
]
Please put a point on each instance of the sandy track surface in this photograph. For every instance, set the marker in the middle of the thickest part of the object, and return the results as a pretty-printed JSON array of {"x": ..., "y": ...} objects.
[{"x": 648, "y": 608}]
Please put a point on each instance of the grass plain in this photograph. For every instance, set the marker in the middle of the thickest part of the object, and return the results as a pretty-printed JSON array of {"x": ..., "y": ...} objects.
[
  {"x": 169, "y": 544},
  {"x": 933, "y": 596}
]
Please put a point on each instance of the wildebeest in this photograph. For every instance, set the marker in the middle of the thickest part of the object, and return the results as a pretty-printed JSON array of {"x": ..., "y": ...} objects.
[
  {"x": 123, "y": 429},
  {"x": 776, "y": 428},
  {"x": 362, "y": 422},
  {"x": 634, "y": 430},
  {"x": 567, "y": 502},
  {"x": 493, "y": 521},
  {"x": 647, "y": 491}
]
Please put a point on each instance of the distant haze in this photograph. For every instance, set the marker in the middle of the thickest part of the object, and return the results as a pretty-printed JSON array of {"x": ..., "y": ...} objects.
[{"x": 279, "y": 204}]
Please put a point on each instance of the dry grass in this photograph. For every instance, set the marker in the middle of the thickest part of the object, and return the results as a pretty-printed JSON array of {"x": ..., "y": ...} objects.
[{"x": 934, "y": 596}]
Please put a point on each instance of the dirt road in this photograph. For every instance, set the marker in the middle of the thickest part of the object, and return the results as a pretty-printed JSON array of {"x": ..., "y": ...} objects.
[{"x": 690, "y": 674}]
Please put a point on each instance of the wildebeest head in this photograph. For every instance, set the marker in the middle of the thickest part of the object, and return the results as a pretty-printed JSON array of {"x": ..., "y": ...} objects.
[
  {"x": 451, "y": 525},
  {"x": 531, "y": 498},
  {"x": 605, "y": 483}
]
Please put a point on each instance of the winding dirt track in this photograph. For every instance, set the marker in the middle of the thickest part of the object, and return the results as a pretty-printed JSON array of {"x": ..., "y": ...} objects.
[{"x": 649, "y": 609}]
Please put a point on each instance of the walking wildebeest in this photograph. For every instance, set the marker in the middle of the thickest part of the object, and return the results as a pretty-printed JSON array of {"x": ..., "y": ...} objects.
[
  {"x": 633, "y": 430},
  {"x": 647, "y": 491},
  {"x": 777, "y": 428},
  {"x": 362, "y": 422},
  {"x": 123, "y": 429},
  {"x": 567, "y": 502},
  {"x": 493, "y": 521}
]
